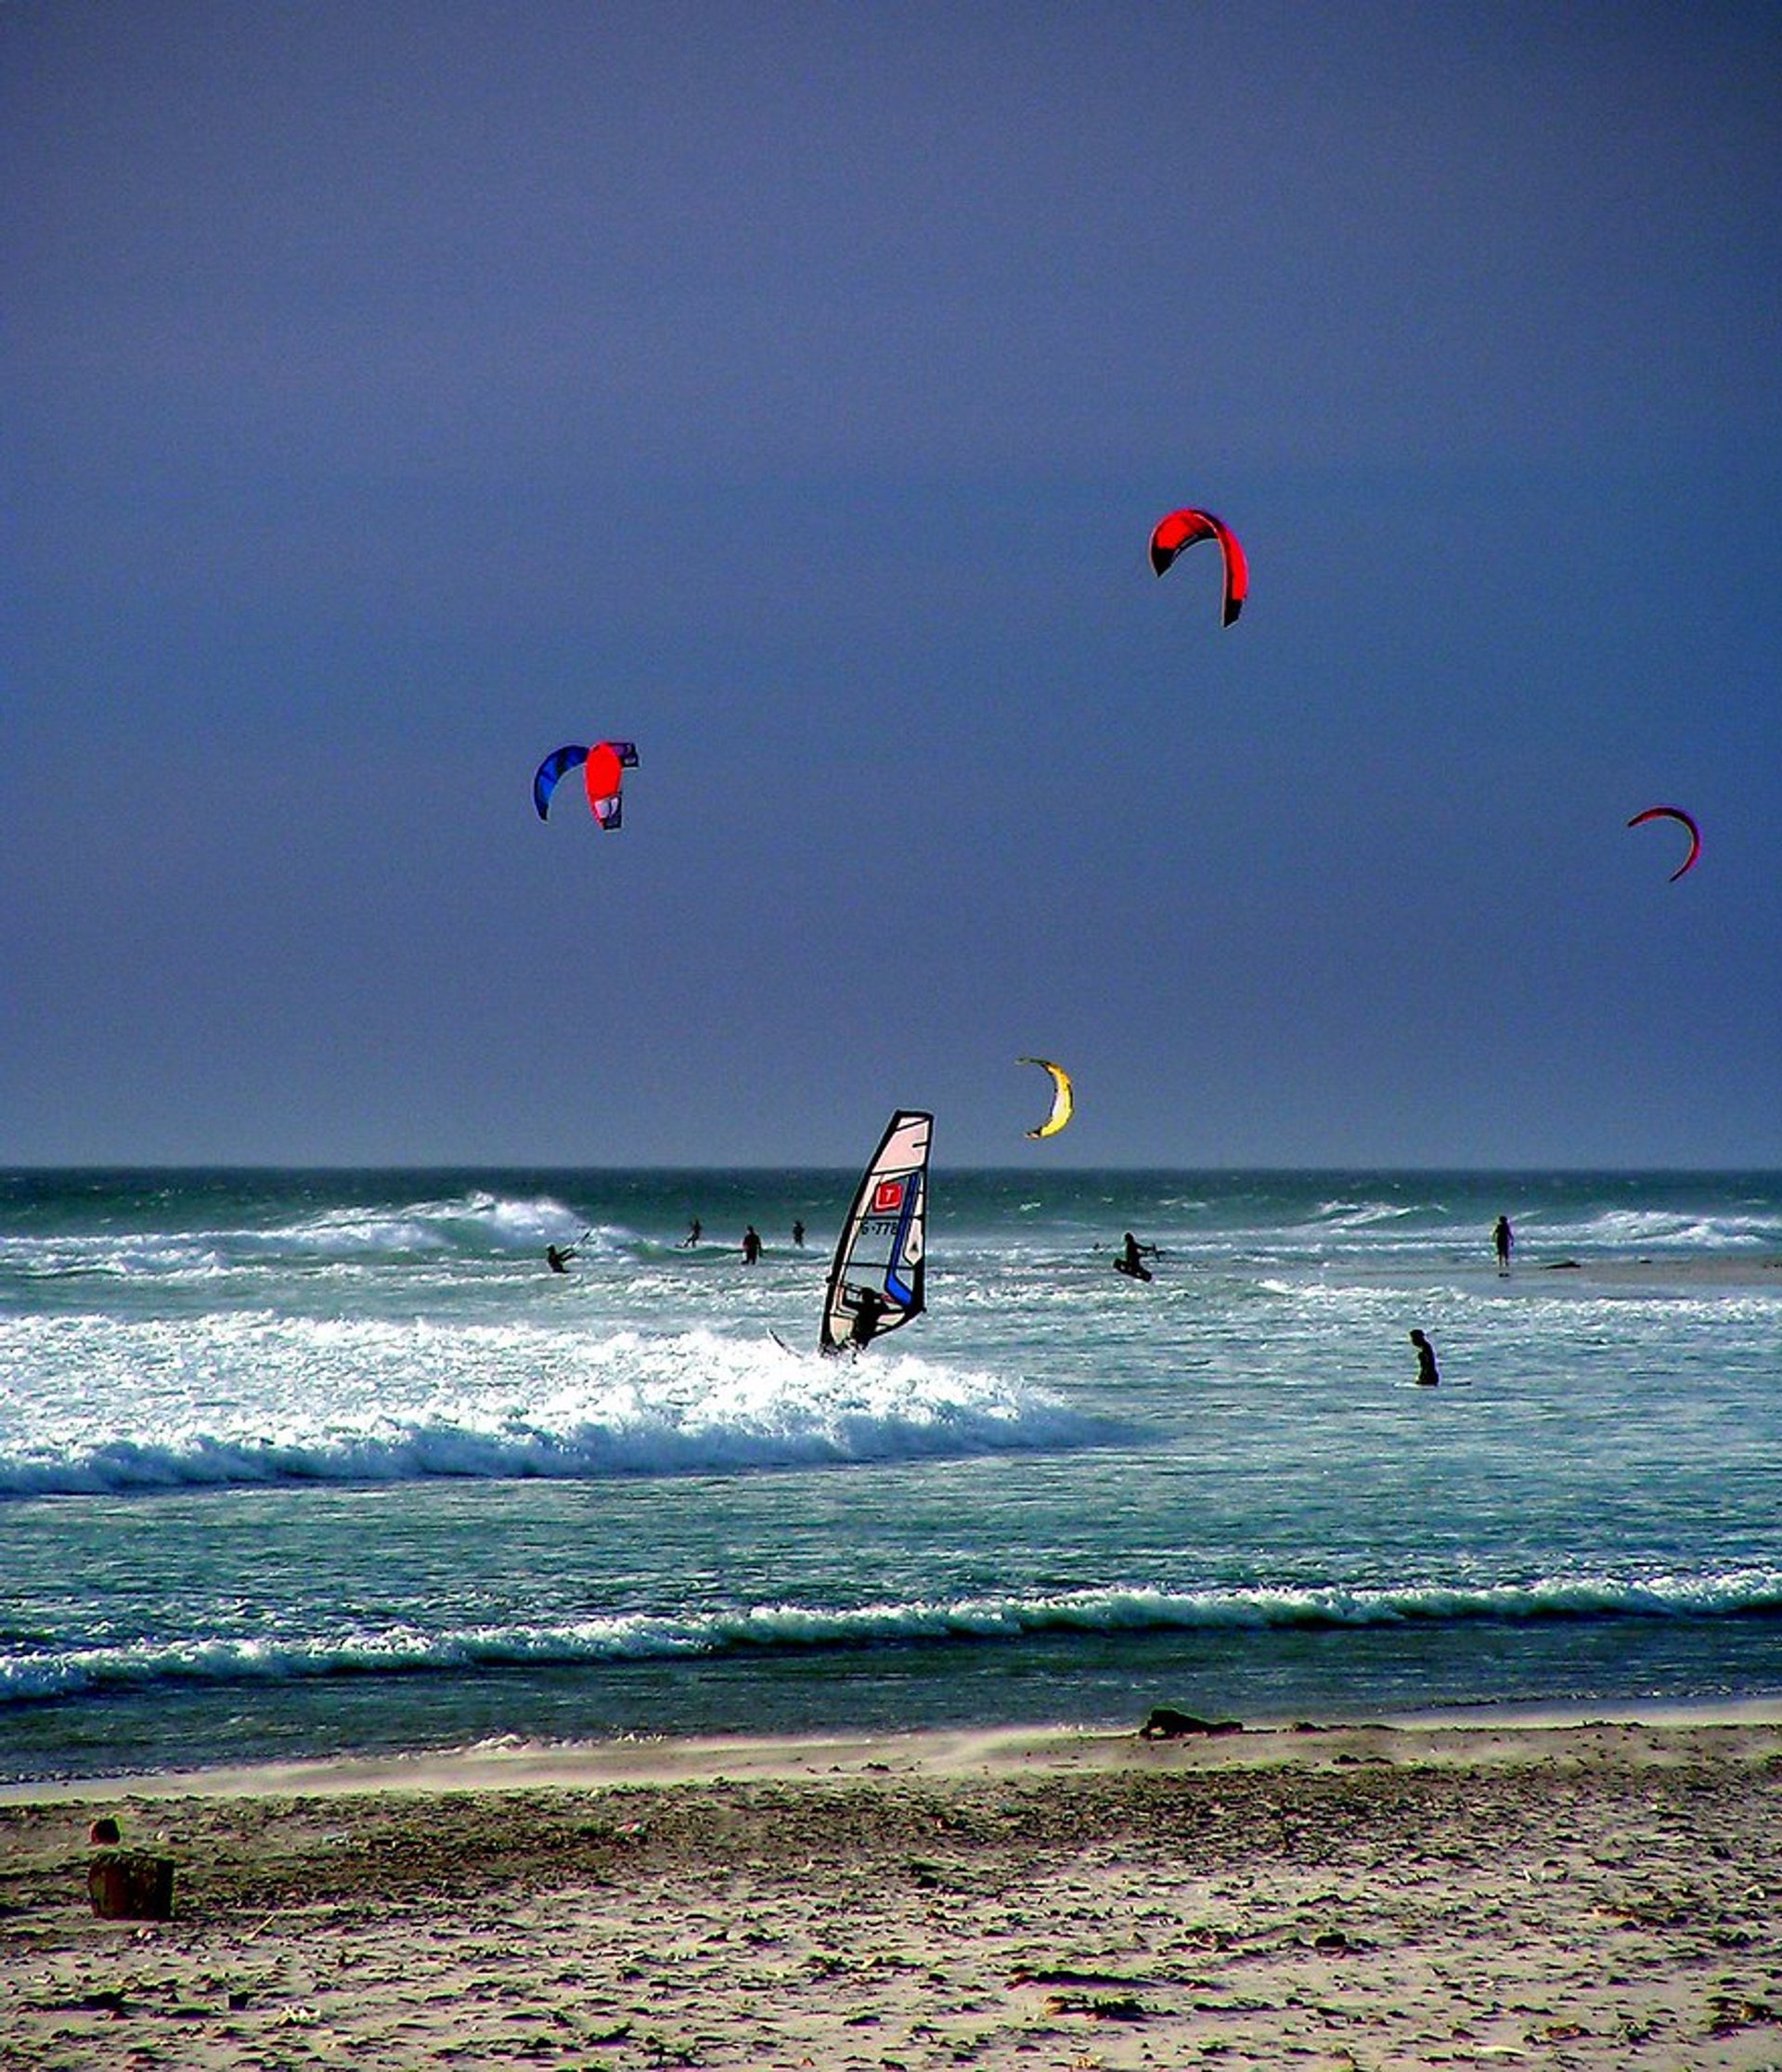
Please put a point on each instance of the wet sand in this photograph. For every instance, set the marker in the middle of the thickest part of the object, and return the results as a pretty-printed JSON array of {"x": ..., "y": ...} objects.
[{"x": 1592, "y": 1895}]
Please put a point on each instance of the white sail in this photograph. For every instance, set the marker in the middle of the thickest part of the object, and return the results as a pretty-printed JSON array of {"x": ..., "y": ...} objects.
[{"x": 875, "y": 1283}]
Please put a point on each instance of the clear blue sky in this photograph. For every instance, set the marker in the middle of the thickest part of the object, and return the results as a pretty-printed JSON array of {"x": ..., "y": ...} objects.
[{"x": 395, "y": 391}]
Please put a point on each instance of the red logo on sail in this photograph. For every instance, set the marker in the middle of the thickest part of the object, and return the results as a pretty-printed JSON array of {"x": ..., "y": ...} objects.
[{"x": 887, "y": 1196}]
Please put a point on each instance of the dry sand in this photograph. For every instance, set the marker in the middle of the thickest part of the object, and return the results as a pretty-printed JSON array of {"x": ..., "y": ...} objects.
[{"x": 1606, "y": 1895}]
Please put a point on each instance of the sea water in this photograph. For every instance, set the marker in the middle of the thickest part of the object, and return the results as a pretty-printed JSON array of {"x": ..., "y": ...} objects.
[{"x": 295, "y": 1463}]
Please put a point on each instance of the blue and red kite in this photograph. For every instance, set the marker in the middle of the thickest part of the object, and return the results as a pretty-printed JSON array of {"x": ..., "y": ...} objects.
[{"x": 602, "y": 768}]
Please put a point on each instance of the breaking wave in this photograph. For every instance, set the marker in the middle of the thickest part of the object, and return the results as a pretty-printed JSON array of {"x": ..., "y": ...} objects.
[
  {"x": 794, "y": 1629},
  {"x": 260, "y": 1399}
]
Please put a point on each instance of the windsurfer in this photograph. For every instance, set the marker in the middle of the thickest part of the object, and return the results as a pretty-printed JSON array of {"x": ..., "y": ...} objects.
[
  {"x": 868, "y": 1307},
  {"x": 881, "y": 1245}
]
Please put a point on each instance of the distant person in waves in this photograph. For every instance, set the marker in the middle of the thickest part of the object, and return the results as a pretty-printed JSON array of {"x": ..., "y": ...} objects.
[
  {"x": 1503, "y": 1238},
  {"x": 557, "y": 1257},
  {"x": 798, "y": 1235},
  {"x": 695, "y": 1231},
  {"x": 1132, "y": 1259},
  {"x": 751, "y": 1246},
  {"x": 1427, "y": 1376}
]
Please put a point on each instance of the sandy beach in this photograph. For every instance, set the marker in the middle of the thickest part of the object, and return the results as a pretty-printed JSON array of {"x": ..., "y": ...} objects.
[{"x": 1597, "y": 1894}]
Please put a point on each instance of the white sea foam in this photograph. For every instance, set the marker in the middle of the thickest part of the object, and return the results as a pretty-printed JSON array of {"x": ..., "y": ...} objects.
[
  {"x": 793, "y": 1627},
  {"x": 257, "y": 1398},
  {"x": 475, "y": 1224}
]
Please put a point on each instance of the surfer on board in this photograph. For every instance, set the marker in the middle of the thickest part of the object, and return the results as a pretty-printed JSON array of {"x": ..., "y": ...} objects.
[
  {"x": 1132, "y": 1259},
  {"x": 696, "y": 1230}
]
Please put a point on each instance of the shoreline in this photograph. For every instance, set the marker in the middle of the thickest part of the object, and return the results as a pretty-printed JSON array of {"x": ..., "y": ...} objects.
[
  {"x": 1405, "y": 1894},
  {"x": 642, "y": 1760}
]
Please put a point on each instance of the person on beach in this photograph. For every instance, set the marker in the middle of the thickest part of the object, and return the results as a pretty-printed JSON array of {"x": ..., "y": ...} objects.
[
  {"x": 1132, "y": 1259},
  {"x": 1503, "y": 1237},
  {"x": 798, "y": 1235},
  {"x": 751, "y": 1246},
  {"x": 557, "y": 1257},
  {"x": 695, "y": 1231},
  {"x": 1427, "y": 1376}
]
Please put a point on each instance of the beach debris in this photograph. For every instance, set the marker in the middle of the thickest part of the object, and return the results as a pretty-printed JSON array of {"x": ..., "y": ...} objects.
[
  {"x": 602, "y": 767},
  {"x": 1182, "y": 529},
  {"x": 1731, "y": 2015},
  {"x": 1099, "y": 2007},
  {"x": 1165, "y": 1723},
  {"x": 1065, "y": 1974},
  {"x": 131, "y": 1885}
]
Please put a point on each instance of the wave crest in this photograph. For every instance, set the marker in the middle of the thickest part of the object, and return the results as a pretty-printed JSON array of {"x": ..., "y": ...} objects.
[
  {"x": 372, "y": 1403},
  {"x": 795, "y": 1628}
]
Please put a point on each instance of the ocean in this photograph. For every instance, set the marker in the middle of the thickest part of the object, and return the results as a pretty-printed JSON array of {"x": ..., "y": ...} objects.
[{"x": 302, "y": 1463}]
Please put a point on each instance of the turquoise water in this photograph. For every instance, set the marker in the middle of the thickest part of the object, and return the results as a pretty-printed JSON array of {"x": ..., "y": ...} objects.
[{"x": 305, "y": 1462}]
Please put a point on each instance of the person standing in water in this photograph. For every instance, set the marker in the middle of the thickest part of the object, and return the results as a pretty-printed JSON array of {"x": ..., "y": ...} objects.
[
  {"x": 1427, "y": 1376},
  {"x": 751, "y": 1246},
  {"x": 1503, "y": 1238}
]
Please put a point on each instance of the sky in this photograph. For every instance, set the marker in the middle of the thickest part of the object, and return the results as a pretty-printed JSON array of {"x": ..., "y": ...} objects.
[{"x": 394, "y": 391}]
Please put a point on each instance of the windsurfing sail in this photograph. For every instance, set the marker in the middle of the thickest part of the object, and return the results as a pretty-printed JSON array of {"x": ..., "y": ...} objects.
[{"x": 875, "y": 1283}]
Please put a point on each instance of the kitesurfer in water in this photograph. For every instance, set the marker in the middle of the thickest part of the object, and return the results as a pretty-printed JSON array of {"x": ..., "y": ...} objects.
[
  {"x": 751, "y": 1246},
  {"x": 557, "y": 1257},
  {"x": 1503, "y": 1237},
  {"x": 695, "y": 1231},
  {"x": 1131, "y": 1260},
  {"x": 1426, "y": 1375}
]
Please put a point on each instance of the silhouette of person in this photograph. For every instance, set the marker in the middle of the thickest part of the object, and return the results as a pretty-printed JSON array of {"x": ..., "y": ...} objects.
[
  {"x": 751, "y": 1246},
  {"x": 1132, "y": 1259},
  {"x": 695, "y": 1231},
  {"x": 1503, "y": 1237},
  {"x": 798, "y": 1235},
  {"x": 1426, "y": 1375},
  {"x": 868, "y": 1308},
  {"x": 557, "y": 1257}
]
